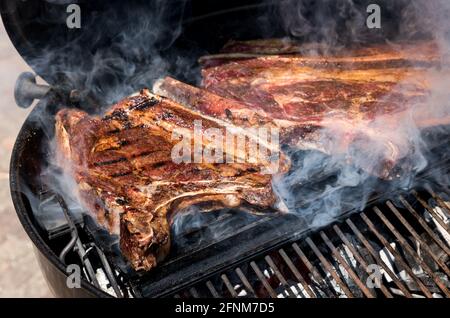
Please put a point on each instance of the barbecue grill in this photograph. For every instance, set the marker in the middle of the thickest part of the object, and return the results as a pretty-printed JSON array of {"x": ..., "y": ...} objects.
[{"x": 398, "y": 246}]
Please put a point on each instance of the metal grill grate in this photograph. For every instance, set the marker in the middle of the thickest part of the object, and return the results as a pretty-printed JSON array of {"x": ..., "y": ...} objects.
[{"x": 392, "y": 249}]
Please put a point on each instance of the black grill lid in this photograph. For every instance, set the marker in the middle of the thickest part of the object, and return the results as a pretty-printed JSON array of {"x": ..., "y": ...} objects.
[
  {"x": 121, "y": 45},
  {"x": 115, "y": 39}
]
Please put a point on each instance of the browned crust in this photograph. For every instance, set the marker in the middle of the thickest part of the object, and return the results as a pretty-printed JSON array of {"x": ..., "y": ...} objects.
[{"x": 126, "y": 177}]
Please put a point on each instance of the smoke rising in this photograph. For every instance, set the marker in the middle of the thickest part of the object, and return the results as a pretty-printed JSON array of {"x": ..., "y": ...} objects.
[
  {"x": 119, "y": 49},
  {"x": 343, "y": 22},
  {"x": 348, "y": 177},
  {"x": 130, "y": 54}
]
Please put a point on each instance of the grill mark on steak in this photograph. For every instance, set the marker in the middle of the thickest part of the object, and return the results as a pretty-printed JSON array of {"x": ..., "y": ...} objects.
[
  {"x": 137, "y": 103},
  {"x": 121, "y": 174},
  {"x": 124, "y": 143},
  {"x": 114, "y": 131},
  {"x": 123, "y": 130},
  {"x": 110, "y": 162},
  {"x": 120, "y": 115},
  {"x": 143, "y": 154},
  {"x": 122, "y": 201},
  {"x": 145, "y": 104}
]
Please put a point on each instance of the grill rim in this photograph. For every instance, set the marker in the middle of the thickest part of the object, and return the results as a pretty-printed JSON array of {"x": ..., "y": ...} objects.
[{"x": 50, "y": 263}]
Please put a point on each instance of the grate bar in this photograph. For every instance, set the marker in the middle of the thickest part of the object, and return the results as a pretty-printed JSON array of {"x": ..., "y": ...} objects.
[
  {"x": 263, "y": 279},
  {"x": 313, "y": 270},
  {"x": 329, "y": 268},
  {"x": 296, "y": 273},
  {"x": 245, "y": 281},
  {"x": 194, "y": 292},
  {"x": 375, "y": 255},
  {"x": 108, "y": 271},
  {"x": 346, "y": 266},
  {"x": 228, "y": 285},
  {"x": 410, "y": 250},
  {"x": 359, "y": 258},
  {"x": 336, "y": 261},
  {"x": 417, "y": 237},
  {"x": 75, "y": 243},
  {"x": 212, "y": 290},
  {"x": 396, "y": 254},
  {"x": 279, "y": 276},
  {"x": 442, "y": 203},
  {"x": 425, "y": 225},
  {"x": 431, "y": 211}
]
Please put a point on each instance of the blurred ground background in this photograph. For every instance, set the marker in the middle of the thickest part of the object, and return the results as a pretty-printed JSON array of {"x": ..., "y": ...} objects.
[{"x": 20, "y": 275}]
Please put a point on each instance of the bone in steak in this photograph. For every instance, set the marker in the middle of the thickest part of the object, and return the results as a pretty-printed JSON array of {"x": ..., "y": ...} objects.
[
  {"x": 125, "y": 173},
  {"x": 343, "y": 91},
  {"x": 234, "y": 111}
]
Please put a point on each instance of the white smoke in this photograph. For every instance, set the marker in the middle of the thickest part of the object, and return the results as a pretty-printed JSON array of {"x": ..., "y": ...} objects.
[
  {"x": 118, "y": 50},
  {"x": 323, "y": 187}
]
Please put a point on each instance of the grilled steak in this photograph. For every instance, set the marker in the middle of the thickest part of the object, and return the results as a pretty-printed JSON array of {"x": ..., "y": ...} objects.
[
  {"x": 354, "y": 86},
  {"x": 124, "y": 167},
  {"x": 345, "y": 92}
]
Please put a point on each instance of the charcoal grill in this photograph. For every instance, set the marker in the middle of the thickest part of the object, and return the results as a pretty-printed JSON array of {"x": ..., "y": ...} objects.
[{"x": 403, "y": 236}]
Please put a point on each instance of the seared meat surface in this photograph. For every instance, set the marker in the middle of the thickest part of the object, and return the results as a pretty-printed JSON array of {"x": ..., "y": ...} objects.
[{"x": 126, "y": 174}]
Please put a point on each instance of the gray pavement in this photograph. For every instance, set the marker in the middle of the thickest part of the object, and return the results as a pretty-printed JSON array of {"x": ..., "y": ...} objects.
[{"x": 20, "y": 275}]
